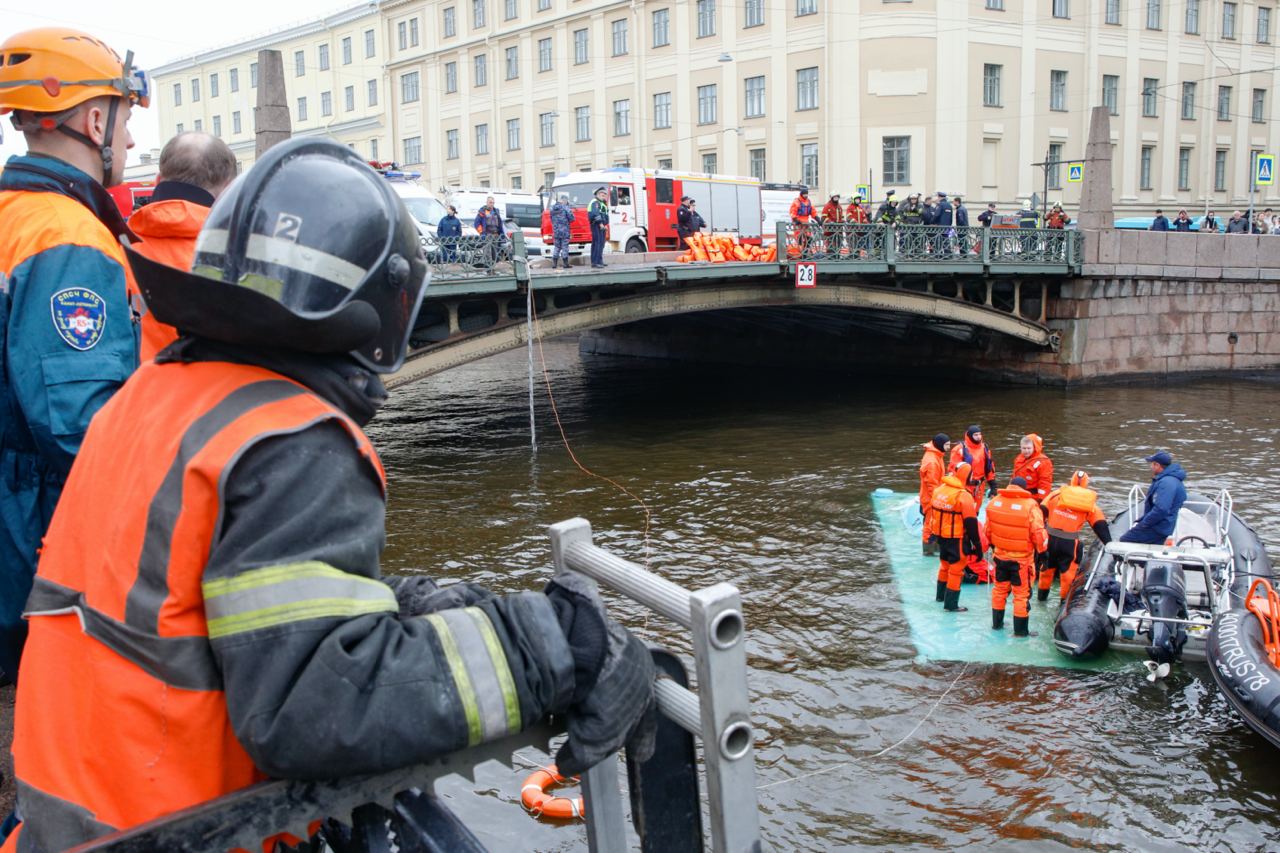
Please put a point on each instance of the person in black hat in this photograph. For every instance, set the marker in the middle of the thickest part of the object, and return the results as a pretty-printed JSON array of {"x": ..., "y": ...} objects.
[
  {"x": 1165, "y": 496},
  {"x": 598, "y": 218},
  {"x": 684, "y": 223},
  {"x": 887, "y": 213},
  {"x": 933, "y": 467}
]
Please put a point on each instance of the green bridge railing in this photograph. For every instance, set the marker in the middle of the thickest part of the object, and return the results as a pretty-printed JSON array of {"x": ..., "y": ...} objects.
[{"x": 1048, "y": 250}]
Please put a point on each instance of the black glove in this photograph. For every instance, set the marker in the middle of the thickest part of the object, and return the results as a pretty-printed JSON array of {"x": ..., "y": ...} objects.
[
  {"x": 1103, "y": 530},
  {"x": 418, "y": 595},
  {"x": 613, "y": 703},
  {"x": 971, "y": 544},
  {"x": 991, "y": 488}
]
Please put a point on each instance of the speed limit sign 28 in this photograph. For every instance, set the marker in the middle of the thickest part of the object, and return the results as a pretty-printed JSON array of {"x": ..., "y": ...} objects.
[{"x": 807, "y": 274}]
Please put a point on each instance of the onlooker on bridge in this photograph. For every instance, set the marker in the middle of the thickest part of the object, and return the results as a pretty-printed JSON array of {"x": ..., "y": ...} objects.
[
  {"x": 449, "y": 234},
  {"x": 1209, "y": 225},
  {"x": 987, "y": 215},
  {"x": 598, "y": 218},
  {"x": 1160, "y": 223},
  {"x": 1237, "y": 224},
  {"x": 696, "y": 222},
  {"x": 683, "y": 226},
  {"x": 1183, "y": 222},
  {"x": 488, "y": 224},
  {"x": 1259, "y": 223},
  {"x": 561, "y": 215}
]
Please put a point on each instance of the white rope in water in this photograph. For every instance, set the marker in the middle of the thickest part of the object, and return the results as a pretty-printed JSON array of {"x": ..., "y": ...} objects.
[{"x": 884, "y": 751}]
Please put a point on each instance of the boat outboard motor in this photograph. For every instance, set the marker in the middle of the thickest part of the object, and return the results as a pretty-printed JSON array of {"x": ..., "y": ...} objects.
[{"x": 1165, "y": 594}]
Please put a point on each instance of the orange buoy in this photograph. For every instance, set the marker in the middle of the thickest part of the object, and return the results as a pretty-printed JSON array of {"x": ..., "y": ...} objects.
[{"x": 539, "y": 803}]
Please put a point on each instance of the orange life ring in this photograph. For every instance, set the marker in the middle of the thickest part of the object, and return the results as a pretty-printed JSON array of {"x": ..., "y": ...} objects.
[{"x": 536, "y": 800}]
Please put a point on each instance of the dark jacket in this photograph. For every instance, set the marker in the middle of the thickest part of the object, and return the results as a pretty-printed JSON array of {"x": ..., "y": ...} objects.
[
  {"x": 1209, "y": 224},
  {"x": 962, "y": 216},
  {"x": 1160, "y": 223},
  {"x": 951, "y": 216},
  {"x": 598, "y": 212},
  {"x": 887, "y": 212},
  {"x": 1165, "y": 497},
  {"x": 931, "y": 214},
  {"x": 985, "y": 218},
  {"x": 489, "y": 221},
  {"x": 561, "y": 216},
  {"x": 1182, "y": 225},
  {"x": 449, "y": 226},
  {"x": 696, "y": 222},
  {"x": 1238, "y": 226},
  {"x": 684, "y": 216}
]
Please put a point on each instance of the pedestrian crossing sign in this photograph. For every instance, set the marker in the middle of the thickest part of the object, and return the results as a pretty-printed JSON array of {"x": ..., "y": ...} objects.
[
  {"x": 863, "y": 190},
  {"x": 1075, "y": 173},
  {"x": 1265, "y": 170}
]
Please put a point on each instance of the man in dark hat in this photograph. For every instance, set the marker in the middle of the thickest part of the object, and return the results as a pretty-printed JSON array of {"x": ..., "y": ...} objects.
[
  {"x": 684, "y": 224},
  {"x": 983, "y": 466},
  {"x": 598, "y": 218},
  {"x": 1165, "y": 496}
]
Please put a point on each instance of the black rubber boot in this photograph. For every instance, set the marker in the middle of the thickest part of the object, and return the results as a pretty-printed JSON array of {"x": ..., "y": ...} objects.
[
  {"x": 1042, "y": 595},
  {"x": 942, "y": 591},
  {"x": 952, "y": 602},
  {"x": 1020, "y": 627},
  {"x": 997, "y": 619}
]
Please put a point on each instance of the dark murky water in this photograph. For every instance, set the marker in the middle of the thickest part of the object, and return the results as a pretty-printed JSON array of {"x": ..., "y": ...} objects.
[{"x": 762, "y": 479}]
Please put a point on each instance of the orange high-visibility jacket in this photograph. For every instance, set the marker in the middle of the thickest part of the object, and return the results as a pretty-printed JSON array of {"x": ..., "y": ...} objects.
[
  {"x": 1015, "y": 525},
  {"x": 950, "y": 506},
  {"x": 168, "y": 230},
  {"x": 932, "y": 469},
  {"x": 1069, "y": 509},
  {"x": 1037, "y": 470}
]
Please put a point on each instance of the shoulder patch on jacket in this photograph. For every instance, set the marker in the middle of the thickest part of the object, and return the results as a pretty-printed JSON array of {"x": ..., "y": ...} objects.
[{"x": 79, "y": 315}]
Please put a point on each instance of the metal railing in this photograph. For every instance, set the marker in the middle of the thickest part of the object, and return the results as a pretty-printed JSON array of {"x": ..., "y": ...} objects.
[
  {"x": 939, "y": 244},
  {"x": 837, "y": 241},
  {"x": 1031, "y": 246},
  {"x": 475, "y": 256},
  {"x": 880, "y": 245}
]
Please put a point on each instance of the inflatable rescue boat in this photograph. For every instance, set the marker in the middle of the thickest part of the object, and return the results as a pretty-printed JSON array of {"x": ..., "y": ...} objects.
[{"x": 1244, "y": 658}]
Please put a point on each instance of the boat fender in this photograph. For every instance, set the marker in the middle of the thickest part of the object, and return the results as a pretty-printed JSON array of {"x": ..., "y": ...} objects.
[{"x": 538, "y": 802}]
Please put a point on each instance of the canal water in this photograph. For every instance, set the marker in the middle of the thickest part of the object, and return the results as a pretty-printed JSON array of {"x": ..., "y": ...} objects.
[{"x": 764, "y": 479}]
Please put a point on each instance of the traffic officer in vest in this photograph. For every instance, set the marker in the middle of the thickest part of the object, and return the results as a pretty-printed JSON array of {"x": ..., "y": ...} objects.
[
  {"x": 1034, "y": 467},
  {"x": 933, "y": 467},
  {"x": 68, "y": 330},
  {"x": 1067, "y": 510},
  {"x": 953, "y": 521},
  {"x": 982, "y": 465},
  {"x": 1015, "y": 527},
  {"x": 209, "y": 609},
  {"x": 598, "y": 219}
]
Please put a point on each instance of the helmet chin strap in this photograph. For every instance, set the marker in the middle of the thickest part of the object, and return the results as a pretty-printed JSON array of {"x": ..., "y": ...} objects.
[{"x": 59, "y": 123}]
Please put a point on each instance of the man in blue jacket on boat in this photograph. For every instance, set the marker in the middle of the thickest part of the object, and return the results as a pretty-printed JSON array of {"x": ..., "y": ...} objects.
[{"x": 1165, "y": 497}]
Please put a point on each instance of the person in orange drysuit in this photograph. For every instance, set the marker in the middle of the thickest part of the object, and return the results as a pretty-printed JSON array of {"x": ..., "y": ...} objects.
[
  {"x": 1067, "y": 510},
  {"x": 977, "y": 453},
  {"x": 953, "y": 519},
  {"x": 933, "y": 468},
  {"x": 1034, "y": 467},
  {"x": 801, "y": 212},
  {"x": 194, "y": 170},
  {"x": 832, "y": 214},
  {"x": 1016, "y": 527}
]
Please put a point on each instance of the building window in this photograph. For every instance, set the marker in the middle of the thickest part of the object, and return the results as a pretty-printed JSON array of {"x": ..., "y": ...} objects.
[
  {"x": 1228, "y": 20},
  {"x": 195, "y": 89},
  {"x": 346, "y": 50},
  {"x": 1224, "y": 103},
  {"x": 662, "y": 28},
  {"x": 544, "y": 54},
  {"x": 664, "y": 164},
  {"x": 896, "y": 166},
  {"x": 413, "y": 32},
  {"x": 709, "y": 163},
  {"x": 513, "y": 63},
  {"x": 349, "y": 98},
  {"x": 582, "y": 123},
  {"x": 1058, "y": 90},
  {"x": 809, "y": 164},
  {"x": 481, "y": 69},
  {"x": 482, "y": 138},
  {"x": 1188, "y": 101},
  {"x": 997, "y": 5},
  {"x": 622, "y": 117},
  {"x": 1150, "y": 95},
  {"x": 450, "y": 23},
  {"x": 233, "y": 79},
  {"x": 807, "y": 89},
  {"x": 326, "y": 103},
  {"x": 1264, "y": 25},
  {"x": 409, "y": 87},
  {"x": 413, "y": 149},
  {"x": 547, "y": 129},
  {"x": 1061, "y": 8},
  {"x": 517, "y": 182},
  {"x": 804, "y": 7},
  {"x": 235, "y": 122},
  {"x": 199, "y": 125},
  {"x": 1193, "y": 17},
  {"x": 548, "y": 180},
  {"x": 756, "y": 158},
  {"x": 368, "y": 44},
  {"x": 1144, "y": 167},
  {"x": 477, "y": 14},
  {"x": 755, "y": 97},
  {"x": 1113, "y": 12},
  {"x": 402, "y": 36},
  {"x": 177, "y": 94},
  {"x": 302, "y": 109},
  {"x": 754, "y": 13},
  {"x": 213, "y": 85},
  {"x": 580, "y": 56},
  {"x": 620, "y": 37},
  {"x": 451, "y": 144},
  {"x": 373, "y": 149},
  {"x": 322, "y": 57},
  {"x": 1220, "y": 170},
  {"x": 662, "y": 110},
  {"x": 513, "y": 134},
  {"x": 253, "y": 75},
  {"x": 1184, "y": 168},
  {"x": 217, "y": 126},
  {"x": 1259, "y": 105},
  {"x": 706, "y": 18},
  {"x": 707, "y": 104},
  {"x": 1053, "y": 174},
  {"x": 299, "y": 63},
  {"x": 373, "y": 93},
  {"x": 179, "y": 128},
  {"x": 450, "y": 77},
  {"x": 1153, "y": 14},
  {"x": 1111, "y": 93},
  {"x": 512, "y": 10},
  {"x": 991, "y": 85},
  {"x": 544, "y": 5}
]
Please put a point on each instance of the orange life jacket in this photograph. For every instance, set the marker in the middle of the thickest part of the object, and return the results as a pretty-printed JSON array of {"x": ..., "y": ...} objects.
[
  {"x": 982, "y": 465},
  {"x": 1036, "y": 470},
  {"x": 121, "y": 715},
  {"x": 1070, "y": 508},
  {"x": 1015, "y": 524},
  {"x": 950, "y": 506}
]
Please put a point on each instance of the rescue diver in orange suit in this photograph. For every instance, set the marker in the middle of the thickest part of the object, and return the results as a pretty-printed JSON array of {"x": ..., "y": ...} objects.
[
  {"x": 1016, "y": 527},
  {"x": 1034, "y": 467},
  {"x": 1067, "y": 511},
  {"x": 933, "y": 467},
  {"x": 982, "y": 465},
  {"x": 953, "y": 519}
]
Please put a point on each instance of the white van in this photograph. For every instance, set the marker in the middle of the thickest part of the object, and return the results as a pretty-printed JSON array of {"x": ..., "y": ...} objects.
[
  {"x": 519, "y": 209},
  {"x": 423, "y": 205}
]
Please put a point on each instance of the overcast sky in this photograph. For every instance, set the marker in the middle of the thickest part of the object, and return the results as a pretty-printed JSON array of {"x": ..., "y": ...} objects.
[{"x": 157, "y": 31}]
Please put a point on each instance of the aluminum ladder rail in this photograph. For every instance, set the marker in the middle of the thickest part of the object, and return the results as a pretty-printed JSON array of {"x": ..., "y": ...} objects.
[{"x": 717, "y": 714}]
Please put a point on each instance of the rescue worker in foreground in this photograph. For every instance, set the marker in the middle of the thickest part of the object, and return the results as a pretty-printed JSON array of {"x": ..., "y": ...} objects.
[
  {"x": 953, "y": 520},
  {"x": 1165, "y": 496},
  {"x": 1034, "y": 467},
  {"x": 68, "y": 333},
  {"x": 975, "y": 451},
  {"x": 1067, "y": 510},
  {"x": 933, "y": 467},
  {"x": 561, "y": 215},
  {"x": 1015, "y": 527},
  {"x": 195, "y": 168},
  {"x": 209, "y": 608}
]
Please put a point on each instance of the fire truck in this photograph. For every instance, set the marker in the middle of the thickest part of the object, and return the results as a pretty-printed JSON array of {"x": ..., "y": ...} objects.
[
  {"x": 643, "y": 204},
  {"x": 131, "y": 195}
]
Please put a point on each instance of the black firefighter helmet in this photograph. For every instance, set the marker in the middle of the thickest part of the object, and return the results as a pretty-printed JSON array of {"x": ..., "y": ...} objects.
[{"x": 310, "y": 250}]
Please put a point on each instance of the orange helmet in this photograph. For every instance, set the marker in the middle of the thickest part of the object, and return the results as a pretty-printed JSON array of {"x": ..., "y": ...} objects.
[
  {"x": 52, "y": 69},
  {"x": 1080, "y": 478},
  {"x": 962, "y": 471}
]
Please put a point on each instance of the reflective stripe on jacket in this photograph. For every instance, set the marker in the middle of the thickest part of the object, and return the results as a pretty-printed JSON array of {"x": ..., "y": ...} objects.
[{"x": 1015, "y": 525}]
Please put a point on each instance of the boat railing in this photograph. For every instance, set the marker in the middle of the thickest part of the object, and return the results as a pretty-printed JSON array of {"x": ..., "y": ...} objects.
[{"x": 1137, "y": 497}]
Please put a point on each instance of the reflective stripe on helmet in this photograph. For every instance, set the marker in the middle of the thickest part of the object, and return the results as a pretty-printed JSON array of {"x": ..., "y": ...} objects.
[{"x": 286, "y": 253}]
